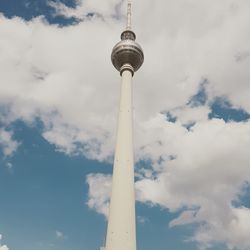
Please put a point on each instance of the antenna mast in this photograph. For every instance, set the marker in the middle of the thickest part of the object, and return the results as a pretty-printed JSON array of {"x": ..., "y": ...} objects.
[{"x": 129, "y": 13}]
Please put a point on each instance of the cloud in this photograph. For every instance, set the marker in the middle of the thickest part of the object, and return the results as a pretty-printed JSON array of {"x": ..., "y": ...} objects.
[
  {"x": 85, "y": 8},
  {"x": 56, "y": 85},
  {"x": 142, "y": 219},
  {"x": 60, "y": 235},
  {"x": 57, "y": 91},
  {"x": 204, "y": 181},
  {"x": 62, "y": 76},
  {"x": 7, "y": 144},
  {"x": 4, "y": 247},
  {"x": 99, "y": 192}
]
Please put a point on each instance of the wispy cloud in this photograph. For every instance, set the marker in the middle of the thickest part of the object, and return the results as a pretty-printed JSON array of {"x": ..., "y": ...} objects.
[
  {"x": 2, "y": 247},
  {"x": 7, "y": 143},
  {"x": 99, "y": 193},
  {"x": 60, "y": 235},
  {"x": 86, "y": 9}
]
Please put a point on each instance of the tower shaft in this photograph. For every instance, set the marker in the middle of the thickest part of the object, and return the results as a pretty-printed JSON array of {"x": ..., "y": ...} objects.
[
  {"x": 127, "y": 57},
  {"x": 121, "y": 232}
]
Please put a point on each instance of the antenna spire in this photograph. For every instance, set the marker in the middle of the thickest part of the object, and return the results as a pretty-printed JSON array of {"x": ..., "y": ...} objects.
[{"x": 129, "y": 13}]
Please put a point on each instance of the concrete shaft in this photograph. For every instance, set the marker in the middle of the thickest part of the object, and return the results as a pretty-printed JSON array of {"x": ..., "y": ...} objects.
[{"x": 121, "y": 233}]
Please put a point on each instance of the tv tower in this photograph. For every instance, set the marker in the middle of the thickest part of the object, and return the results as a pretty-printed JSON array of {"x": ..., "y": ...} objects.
[{"x": 127, "y": 57}]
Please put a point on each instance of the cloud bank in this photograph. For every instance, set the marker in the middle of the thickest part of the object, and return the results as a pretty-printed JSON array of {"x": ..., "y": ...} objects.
[{"x": 62, "y": 77}]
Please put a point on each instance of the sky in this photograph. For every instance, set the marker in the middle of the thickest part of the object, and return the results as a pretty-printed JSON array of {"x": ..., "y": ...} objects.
[{"x": 59, "y": 96}]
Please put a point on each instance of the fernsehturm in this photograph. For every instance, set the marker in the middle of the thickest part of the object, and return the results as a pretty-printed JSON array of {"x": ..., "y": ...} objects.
[{"x": 127, "y": 57}]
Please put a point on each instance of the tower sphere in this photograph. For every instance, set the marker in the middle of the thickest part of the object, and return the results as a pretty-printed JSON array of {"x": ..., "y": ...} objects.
[{"x": 127, "y": 52}]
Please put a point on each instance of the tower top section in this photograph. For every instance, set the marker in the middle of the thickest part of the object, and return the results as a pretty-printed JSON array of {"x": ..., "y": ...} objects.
[{"x": 127, "y": 54}]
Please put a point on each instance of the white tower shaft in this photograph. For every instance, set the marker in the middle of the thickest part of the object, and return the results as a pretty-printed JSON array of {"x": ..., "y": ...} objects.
[
  {"x": 121, "y": 233},
  {"x": 127, "y": 57}
]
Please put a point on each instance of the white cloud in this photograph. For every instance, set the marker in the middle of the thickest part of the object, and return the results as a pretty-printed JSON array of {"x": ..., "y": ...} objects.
[
  {"x": 60, "y": 235},
  {"x": 206, "y": 179},
  {"x": 58, "y": 91},
  {"x": 99, "y": 192},
  {"x": 63, "y": 76},
  {"x": 187, "y": 115},
  {"x": 83, "y": 8},
  {"x": 4, "y": 247},
  {"x": 142, "y": 219},
  {"x": 7, "y": 144}
]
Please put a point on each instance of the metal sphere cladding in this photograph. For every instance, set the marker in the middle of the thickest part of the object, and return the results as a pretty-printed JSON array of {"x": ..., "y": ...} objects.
[{"x": 127, "y": 51}]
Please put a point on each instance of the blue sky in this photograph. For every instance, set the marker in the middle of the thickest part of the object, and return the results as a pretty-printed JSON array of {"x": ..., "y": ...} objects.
[{"x": 58, "y": 103}]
